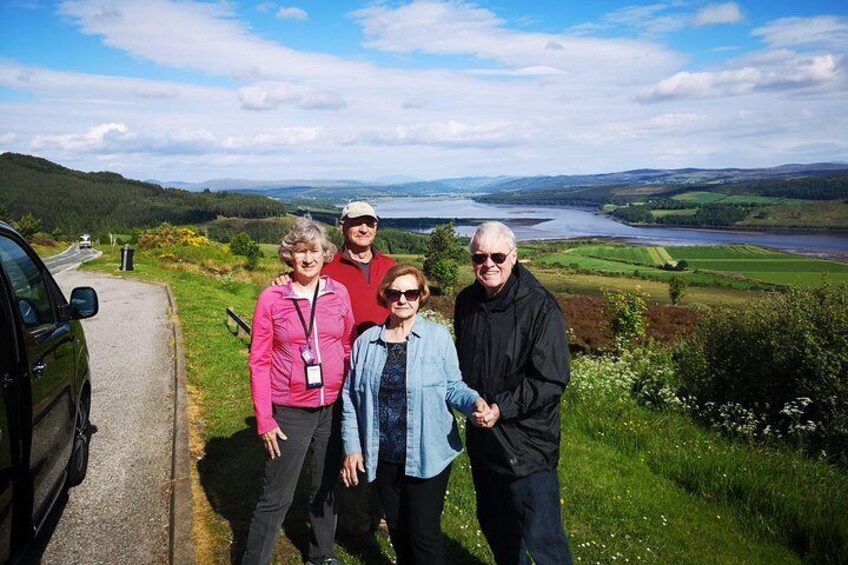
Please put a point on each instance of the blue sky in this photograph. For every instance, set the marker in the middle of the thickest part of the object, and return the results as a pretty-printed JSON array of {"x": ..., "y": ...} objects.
[{"x": 317, "y": 89}]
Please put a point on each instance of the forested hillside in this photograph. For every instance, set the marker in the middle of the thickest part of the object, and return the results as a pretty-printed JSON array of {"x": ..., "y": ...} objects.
[{"x": 74, "y": 201}]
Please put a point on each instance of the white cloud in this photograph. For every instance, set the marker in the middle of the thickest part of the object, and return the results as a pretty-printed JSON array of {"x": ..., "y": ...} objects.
[
  {"x": 776, "y": 70},
  {"x": 461, "y": 28},
  {"x": 826, "y": 32},
  {"x": 448, "y": 134},
  {"x": 271, "y": 95},
  {"x": 8, "y": 138},
  {"x": 726, "y": 13},
  {"x": 292, "y": 13},
  {"x": 117, "y": 138},
  {"x": 96, "y": 137},
  {"x": 266, "y": 6}
]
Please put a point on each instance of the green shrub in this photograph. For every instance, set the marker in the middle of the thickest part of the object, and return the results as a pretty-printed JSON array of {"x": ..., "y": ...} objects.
[
  {"x": 241, "y": 244},
  {"x": 626, "y": 310},
  {"x": 776, "y": 367}
]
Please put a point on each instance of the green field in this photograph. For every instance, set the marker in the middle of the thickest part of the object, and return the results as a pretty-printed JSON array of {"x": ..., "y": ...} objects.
[
  {"x": 682, "y": 212},
  {"x": 721, "y": 265},
  {"x": 699, "y": 197},
  {"x": 702, "y": 197}
]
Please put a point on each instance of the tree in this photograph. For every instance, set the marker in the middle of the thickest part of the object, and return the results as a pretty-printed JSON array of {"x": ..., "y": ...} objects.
[
  {"x": 28, "y": 225},
  {"x": 677, "y": 288},
  {"x": 241, "y": 243},
  {"x": 441, "y": 258},
  {"x": 626, "y": 310}
]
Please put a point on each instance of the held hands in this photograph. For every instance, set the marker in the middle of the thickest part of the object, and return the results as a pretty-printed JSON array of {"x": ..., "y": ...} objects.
[
  {"x": 269, "y": 440},
  {"x": 485, "y": 415},
  {"x": 351, "y": 467}
]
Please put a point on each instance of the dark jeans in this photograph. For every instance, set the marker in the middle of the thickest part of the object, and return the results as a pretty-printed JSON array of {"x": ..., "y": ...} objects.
[
  {"x": 520, "y": 516},
  {"x": 316, "y": 428},
  {"x": 413, "y": 513}
]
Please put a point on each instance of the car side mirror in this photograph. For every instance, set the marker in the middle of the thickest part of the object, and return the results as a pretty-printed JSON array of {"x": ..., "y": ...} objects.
[{"x": 84, "y": 303}]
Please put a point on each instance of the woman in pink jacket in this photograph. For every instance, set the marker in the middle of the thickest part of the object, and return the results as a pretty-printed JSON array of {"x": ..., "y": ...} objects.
[{"x": 300, "y": 350}]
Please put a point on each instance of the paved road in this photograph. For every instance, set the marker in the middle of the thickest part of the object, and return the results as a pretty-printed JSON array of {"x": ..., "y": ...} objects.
[
  {"x": 70, "y": 259},
  {"x": 120, "y": 514}
]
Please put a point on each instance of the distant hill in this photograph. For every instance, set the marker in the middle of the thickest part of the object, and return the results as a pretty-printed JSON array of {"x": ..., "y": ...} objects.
[{"x": 76, "y": 202}]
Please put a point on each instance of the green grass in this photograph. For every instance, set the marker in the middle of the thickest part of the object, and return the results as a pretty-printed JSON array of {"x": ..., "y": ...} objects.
[
  {"x": 636, "y": 485},
  {"x": 45, "y": 251},
  {"x": 742, "y": 267},
  {"x": 700, "y": 197},
  {"x": 682, "y": 212},
  {"x": 762, "y": 264}
]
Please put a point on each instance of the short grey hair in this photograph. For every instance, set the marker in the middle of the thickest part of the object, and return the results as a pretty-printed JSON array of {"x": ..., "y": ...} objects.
[
  {"x": 308, "y": 231},
  {"x": 493, "y": 229}
]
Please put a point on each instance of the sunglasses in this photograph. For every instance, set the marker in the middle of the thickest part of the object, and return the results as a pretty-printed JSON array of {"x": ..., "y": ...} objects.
[
  {"x": 411, "y": 295},
  {"x": 498, "y": 258}
]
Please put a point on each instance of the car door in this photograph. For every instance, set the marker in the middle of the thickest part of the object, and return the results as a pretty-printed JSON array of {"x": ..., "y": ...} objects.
[
  {"x": 8, "y": 410},
  {"x": 49, "y": 345}
]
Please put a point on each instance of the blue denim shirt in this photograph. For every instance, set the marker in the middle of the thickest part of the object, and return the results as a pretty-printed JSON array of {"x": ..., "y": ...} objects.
[{"x": 433, "y": 386}]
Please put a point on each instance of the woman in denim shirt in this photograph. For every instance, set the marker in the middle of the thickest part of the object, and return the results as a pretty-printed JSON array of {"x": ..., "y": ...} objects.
[{"x": 397, "y": 425}]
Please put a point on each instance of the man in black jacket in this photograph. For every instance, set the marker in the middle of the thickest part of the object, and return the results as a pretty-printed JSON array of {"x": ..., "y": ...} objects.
[{"x": 512, "y": 346}]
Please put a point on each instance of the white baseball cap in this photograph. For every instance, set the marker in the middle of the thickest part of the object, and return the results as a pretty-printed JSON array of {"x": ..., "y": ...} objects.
[{"x": 357, "y": 210}]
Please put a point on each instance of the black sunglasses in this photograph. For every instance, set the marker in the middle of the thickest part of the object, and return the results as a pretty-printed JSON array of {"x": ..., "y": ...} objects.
[
  {"x": 498, "y": 258},
  {"x": 411, "y": 295}
]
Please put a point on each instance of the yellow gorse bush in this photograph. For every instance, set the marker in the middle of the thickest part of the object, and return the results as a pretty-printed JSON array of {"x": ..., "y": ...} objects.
[{"x": 167, "y": 235}]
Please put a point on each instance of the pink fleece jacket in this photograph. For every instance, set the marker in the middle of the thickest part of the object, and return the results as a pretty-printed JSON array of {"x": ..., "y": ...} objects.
[{"x": 276, "y": 367}]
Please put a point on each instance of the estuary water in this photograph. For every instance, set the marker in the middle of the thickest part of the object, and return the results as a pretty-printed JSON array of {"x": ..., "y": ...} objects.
[{"x": 566, "y": 222}]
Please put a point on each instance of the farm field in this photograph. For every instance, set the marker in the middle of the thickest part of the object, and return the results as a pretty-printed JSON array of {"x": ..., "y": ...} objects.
[
  {"x": 701, "y": 197},
  {"x": 717, "y": 265}
]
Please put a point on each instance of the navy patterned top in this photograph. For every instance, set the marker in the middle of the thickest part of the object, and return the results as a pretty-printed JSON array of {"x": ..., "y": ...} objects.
[{"x": 392, "y": 405}]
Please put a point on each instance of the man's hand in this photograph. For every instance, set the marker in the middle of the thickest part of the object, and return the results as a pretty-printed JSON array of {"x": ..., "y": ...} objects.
[
  {"x": 269, "y": 440},
  {"x": 492, "y": 417},
  {"x": 351, "y": 467},
  {"x": 480, "y": 412},
  {"x": 282, "y": 279}
]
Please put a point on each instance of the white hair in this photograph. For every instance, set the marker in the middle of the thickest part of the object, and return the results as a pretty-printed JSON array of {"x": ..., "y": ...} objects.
[{"x": 492, "y": 229}]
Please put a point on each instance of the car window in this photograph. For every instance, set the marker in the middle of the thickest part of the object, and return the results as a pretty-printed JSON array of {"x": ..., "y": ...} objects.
[{"x": 28, "y": 285}]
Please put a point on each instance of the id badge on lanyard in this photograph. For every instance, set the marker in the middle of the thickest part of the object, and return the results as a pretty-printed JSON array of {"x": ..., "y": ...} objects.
[{"x": 312, "y": 370}]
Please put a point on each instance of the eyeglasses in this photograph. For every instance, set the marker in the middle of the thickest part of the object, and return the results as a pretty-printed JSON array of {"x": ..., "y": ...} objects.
[
  {"x": 411, "y": 295},
  {"x": 356, "y": 222},
  {"x": 498, "y": 258},
  {"x": 305, "y": 252}
]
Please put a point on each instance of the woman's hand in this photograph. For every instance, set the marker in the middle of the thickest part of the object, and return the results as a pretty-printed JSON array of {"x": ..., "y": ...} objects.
[
  {"x": 485, "y": 415},
  {"x": 269, "y": 440},
  {"x": 351, "y": 467}
]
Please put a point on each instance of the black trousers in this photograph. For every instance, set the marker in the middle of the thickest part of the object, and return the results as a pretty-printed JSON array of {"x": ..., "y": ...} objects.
[
  {"x": 521, "y": 517},
  {"x": 305, "y": 428},
  {"x": 414, "y": 513}
]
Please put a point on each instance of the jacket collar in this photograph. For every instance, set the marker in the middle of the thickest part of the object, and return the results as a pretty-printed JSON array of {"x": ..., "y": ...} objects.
[
  {"x": 326, "y": 286},
  {"x": 380, "y": 336},
  {"x": 343, "y": 258},
  {"x": 517, "y": 286}
]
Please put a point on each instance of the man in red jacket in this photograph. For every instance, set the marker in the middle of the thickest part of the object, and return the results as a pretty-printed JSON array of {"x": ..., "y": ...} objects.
[{"x": 360, "y": 267}]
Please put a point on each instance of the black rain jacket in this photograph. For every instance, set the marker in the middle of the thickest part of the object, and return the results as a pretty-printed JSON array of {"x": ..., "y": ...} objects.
[{"x": 513, "y": 350}]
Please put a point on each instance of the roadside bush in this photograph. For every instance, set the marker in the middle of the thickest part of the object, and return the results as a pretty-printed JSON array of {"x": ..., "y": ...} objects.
[
  {"x": 167, "y": 235},
  {"x": 776, "y": 367}
]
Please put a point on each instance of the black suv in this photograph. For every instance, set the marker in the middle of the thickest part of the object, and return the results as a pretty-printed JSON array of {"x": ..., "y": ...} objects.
[{"x": 45, "y": 391}]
